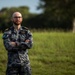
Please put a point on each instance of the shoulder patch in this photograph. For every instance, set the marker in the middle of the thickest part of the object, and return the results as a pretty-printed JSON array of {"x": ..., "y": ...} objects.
[
  {"x": 7, "y": 29},
  {"x": 25, "y": 28}
]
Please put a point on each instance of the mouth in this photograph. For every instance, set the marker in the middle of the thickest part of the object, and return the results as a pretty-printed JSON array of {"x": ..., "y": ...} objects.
[{"x": 17, "y": 21}]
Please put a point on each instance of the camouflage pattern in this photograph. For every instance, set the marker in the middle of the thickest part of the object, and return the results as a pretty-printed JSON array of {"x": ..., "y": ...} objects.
[{"x": 18, "y": 60}]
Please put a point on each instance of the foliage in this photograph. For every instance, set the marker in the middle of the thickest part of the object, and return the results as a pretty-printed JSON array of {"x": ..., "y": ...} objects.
[
  {"x": 6, "y": 13},
  {"x": 52, "y": 54},
  {"x": 58, "y": 13},
  {"x": 58, "y": 9}
]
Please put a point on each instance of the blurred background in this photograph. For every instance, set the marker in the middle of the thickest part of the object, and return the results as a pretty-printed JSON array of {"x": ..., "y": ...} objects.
[
  {"x": 52, "y": 23},
  {"x": 39, "y": 14}
]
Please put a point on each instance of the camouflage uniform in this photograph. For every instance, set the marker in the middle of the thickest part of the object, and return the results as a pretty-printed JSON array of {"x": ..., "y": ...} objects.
[{"x": 18, "y": 61}]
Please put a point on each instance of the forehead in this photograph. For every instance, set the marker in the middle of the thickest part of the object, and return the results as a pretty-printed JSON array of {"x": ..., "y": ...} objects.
[{"x": 16, "y": 14}]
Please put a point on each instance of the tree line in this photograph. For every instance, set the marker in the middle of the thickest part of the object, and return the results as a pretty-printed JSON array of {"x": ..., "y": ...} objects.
[{"x": 57, "y": 14}]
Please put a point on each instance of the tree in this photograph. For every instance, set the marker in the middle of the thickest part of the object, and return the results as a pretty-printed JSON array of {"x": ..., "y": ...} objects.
[
  {"x": 58, "y": 11},
  {"x": 5, "y": 16}
]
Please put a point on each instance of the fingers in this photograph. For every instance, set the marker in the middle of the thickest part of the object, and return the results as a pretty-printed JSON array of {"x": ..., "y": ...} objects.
[
  {"x": 13, "y": 43},
  {"x": 27, "y": 41}
]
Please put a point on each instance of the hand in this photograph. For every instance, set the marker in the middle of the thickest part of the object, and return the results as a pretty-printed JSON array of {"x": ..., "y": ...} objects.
[
  {"x": 13, "y": 43},
  {"x": 27, "y": 41}
]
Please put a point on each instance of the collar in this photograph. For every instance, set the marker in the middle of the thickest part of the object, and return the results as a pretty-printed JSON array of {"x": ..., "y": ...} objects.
[{"x": 13, "y": 29}]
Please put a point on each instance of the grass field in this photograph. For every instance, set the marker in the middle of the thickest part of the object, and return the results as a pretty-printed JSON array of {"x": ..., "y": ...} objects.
[{"x": 53, "y": 53}]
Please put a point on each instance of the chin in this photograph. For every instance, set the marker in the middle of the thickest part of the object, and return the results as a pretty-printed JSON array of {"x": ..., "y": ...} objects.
[{"x": 17, "y": 24}]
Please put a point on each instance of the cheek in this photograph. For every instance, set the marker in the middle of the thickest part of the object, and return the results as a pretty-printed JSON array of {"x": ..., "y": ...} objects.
[{"x": 21, "y": 20}]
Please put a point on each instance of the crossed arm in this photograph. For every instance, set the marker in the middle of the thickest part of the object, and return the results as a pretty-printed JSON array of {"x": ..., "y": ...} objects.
[{"x": 12, "y": 46}]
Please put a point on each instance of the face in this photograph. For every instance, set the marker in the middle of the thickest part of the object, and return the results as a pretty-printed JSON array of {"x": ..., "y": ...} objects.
[{"x": 17, "y": 18}]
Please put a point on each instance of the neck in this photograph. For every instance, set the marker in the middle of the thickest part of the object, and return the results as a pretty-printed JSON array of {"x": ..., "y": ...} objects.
[{"x": 17, "y": 27}]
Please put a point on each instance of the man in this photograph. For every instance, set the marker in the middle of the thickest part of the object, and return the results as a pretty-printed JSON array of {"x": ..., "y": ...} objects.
[{"x": 17, "y": 40}]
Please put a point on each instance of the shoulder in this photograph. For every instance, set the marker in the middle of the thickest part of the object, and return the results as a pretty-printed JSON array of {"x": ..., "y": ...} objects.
[
  {"x": 7, "y": 31},
  {"x": 25, "y": 28}
]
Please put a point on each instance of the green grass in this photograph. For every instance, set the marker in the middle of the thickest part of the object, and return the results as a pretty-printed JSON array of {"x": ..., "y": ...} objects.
[{"x": 53, "y": 53}]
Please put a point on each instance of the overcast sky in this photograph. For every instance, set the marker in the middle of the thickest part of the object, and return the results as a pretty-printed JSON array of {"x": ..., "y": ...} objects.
[{"x": 32, "y": 4}]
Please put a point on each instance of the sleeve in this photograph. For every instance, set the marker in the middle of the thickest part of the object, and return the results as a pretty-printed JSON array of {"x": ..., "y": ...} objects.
[
  {"x": 6, "y": 41},
  {"x": 27, "y": 45}
]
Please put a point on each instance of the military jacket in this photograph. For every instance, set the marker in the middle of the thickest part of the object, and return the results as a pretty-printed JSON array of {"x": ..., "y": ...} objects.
[{"x": 17, "y": 55}]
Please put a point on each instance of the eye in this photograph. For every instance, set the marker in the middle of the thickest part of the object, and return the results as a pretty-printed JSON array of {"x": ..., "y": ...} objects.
[{"x": 17, "y": 17}]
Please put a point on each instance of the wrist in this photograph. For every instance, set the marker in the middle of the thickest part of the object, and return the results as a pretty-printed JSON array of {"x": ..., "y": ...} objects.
[{"x": 17, "y": 43}]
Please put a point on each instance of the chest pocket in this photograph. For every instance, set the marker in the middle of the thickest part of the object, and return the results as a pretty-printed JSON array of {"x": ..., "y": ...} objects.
[
  {"x": 22, "y": 37},
  {"x": 13, "y": 37}
]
